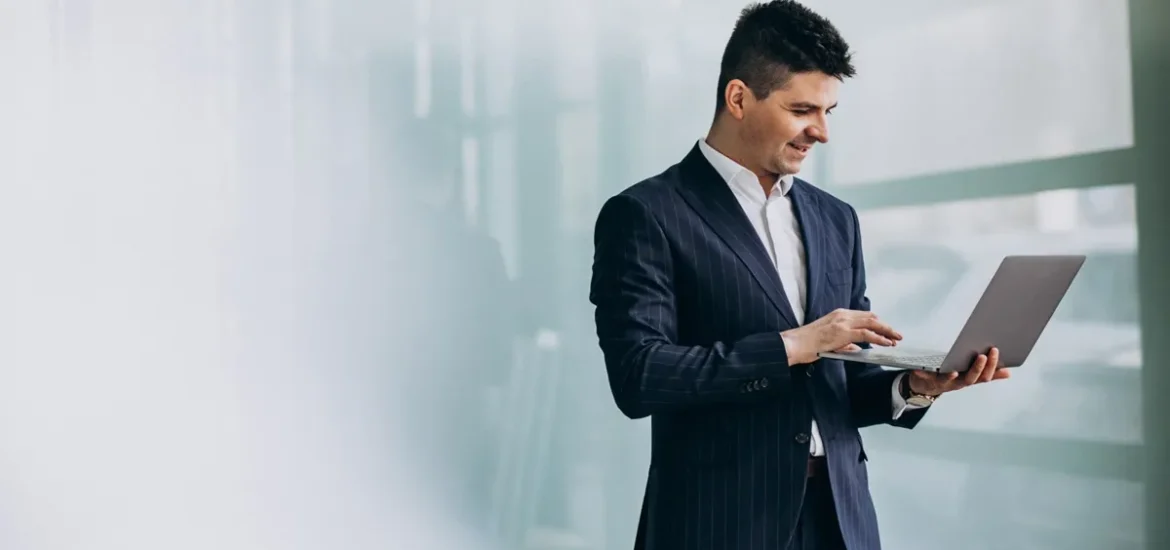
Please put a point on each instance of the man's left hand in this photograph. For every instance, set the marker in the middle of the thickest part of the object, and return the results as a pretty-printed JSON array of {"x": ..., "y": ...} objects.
[{"x": 984, "y": 369}]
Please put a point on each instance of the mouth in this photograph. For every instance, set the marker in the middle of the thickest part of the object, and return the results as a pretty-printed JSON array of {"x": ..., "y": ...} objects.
[{"x": 802, "y": 150}]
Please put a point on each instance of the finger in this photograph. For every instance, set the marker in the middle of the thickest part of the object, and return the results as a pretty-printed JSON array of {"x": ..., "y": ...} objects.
[
  {"x": 857, "y": 313},
  {"x": 1002, "y": 374},
  {"x": 881, "y": 328},
  {"x": 865, "y": 335},
  {"x": 946, "y": 381},
  {"x": 929, "y": 379},
  {"x": 992, "y": 366},
  {"x": 847, "y": 348},
  {"x": 851, "y": 314},
  {"x": 937, "y": 383},
  {"x": 937, "y": 377},
  {"x": 976, "y": 370}
]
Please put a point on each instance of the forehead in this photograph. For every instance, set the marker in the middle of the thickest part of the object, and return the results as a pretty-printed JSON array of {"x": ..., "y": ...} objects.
[{"x": 815, "y": 88}]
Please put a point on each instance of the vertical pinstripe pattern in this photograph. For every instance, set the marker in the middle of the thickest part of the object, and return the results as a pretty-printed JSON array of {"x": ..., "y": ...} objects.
[{"x": 688, "y": 310}]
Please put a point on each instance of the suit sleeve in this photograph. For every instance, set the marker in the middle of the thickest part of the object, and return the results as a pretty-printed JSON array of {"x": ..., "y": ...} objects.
[
  {"x": 634, "y": 291},
  {"x": 870, "y": 386}
]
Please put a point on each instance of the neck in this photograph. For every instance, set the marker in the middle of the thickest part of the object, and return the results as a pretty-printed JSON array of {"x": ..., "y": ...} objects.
[{"x": 725, "y": 140}]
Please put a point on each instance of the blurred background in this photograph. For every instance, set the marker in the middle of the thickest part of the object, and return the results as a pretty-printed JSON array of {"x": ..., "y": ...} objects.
[{"x": 313, "y": 273}]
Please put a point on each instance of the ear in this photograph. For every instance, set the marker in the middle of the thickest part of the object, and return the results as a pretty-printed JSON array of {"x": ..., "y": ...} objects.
[{"x": 737, "y": 96}]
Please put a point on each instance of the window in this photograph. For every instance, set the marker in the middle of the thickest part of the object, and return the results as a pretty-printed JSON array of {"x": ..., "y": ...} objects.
[
  {"x": 577, "y": 170},
  {"x": 927, "y": 266},
  {"x": 497, "y": 36},
  {"x": 575, "y": 68},
  {"x": 1078, "y": 393},
  {"x": 990, "y": 84},
  {"x": 1019, "y": 507},
  {"x": 953, "y": 87},
  {"x": 502, "y": 214}
]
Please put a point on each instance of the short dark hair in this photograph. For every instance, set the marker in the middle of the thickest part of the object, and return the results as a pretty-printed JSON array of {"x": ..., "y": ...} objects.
[{"x": 772, "y": 41}]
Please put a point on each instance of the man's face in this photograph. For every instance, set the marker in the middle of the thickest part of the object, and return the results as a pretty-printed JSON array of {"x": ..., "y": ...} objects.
[{"x": 780, "y": 130}]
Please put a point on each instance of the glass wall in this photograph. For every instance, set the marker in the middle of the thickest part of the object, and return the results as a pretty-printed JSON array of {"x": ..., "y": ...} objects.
[
  {"x": 1081, "y": 387},
  {"x": 965, "y": 84},
  {"x": 313, "y": 274}
]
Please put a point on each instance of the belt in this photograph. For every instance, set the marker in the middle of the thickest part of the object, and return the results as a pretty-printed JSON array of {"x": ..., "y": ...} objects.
[{"x": 818, "y": 466}]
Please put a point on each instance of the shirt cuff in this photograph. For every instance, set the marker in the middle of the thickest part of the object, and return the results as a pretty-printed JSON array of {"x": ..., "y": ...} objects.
[{"x": 900, "y": 404}]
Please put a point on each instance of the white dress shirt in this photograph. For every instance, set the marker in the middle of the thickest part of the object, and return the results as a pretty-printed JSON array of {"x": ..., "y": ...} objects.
[{"x": 778, "y": 229}]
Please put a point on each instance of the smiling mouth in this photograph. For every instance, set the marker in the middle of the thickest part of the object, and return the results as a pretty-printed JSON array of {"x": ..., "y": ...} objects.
[{"x": 802, "y": 149}]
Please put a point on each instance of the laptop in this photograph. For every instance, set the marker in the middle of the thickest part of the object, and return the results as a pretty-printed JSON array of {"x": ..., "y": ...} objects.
[{"x": 1012, "y": 313}]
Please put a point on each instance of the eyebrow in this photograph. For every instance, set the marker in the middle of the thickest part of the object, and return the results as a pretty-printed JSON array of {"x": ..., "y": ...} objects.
[{"x": 806, "y": 105}]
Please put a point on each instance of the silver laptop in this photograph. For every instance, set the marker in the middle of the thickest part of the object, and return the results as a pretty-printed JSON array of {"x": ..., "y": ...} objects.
[{"x": 1012, "y": 313}]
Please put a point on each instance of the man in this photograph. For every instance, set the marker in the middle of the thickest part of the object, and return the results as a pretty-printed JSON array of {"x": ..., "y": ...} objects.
[{"x": 718, "y": 281}]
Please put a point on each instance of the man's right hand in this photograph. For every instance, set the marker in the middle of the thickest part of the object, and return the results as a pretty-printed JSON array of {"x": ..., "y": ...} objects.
[{"x": 836, "y": 331}]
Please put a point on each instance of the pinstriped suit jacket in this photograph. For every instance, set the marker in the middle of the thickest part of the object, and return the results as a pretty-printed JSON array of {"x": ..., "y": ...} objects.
[{"x": 688, "y": 310}]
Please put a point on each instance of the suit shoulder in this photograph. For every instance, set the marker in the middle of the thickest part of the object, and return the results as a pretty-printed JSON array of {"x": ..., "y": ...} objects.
[
  {"x": 832, "y": 205},
  {"x": 652, "y": 191}
]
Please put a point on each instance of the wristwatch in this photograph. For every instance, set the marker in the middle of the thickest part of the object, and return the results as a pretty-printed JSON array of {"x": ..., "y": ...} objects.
[{"x": 913, "y": 398}]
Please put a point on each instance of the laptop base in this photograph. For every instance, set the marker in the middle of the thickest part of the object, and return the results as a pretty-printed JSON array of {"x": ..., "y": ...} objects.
[{"x": 910, "y": 359}]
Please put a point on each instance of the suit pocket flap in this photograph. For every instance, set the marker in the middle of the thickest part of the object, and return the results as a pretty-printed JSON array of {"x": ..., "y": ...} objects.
[{"x": 840, "y": 277}]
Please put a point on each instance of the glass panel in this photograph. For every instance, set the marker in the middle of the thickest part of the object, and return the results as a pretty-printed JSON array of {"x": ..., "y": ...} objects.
[
  {"x": 577, "y": 151},
  {"x": 966, "y": 84},
  {"x": 422, "y": 78},
  {"x": 501, "y": 190},
  {"x": 575, "y": 66},
  {"x": 468, "y": 59},
  {"x": 497, "y": 48},
  {"x": 207, "y": 244},
  {"x": 921, "y": 501},
  {"x": 470, "y": 182},
  {"x": 928, "y": 266}
]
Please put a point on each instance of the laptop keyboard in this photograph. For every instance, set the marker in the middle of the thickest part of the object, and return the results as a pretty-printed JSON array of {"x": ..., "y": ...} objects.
[{"x": 915, "y": 360}]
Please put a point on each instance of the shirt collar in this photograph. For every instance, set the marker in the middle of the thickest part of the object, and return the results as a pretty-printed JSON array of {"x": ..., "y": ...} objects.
[{"x": 736, "y": 175}]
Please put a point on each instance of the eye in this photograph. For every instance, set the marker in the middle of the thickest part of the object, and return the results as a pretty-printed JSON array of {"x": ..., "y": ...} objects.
[{"x": 802, "y": 112}]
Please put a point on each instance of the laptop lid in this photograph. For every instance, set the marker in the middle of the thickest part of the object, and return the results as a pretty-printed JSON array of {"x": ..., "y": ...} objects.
[{"x": 1014, "y": 309}]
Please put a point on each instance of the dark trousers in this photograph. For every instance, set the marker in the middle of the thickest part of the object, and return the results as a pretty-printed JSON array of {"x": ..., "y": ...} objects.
[{"x": 818, "y": 528}]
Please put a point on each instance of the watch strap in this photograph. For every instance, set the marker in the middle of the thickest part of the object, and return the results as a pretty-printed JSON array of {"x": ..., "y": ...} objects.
[{"x": 909, "y": 394}]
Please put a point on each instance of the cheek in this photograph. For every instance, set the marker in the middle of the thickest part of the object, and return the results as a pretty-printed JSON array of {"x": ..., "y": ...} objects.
[
  {"x": 774, "y": 132},
  {"x": 756, "y": 132},
  {"x": 788, "y": 129}
]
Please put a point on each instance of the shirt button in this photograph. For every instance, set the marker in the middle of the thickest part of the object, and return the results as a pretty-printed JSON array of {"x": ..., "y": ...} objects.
[{"x": 802, "y": 438}]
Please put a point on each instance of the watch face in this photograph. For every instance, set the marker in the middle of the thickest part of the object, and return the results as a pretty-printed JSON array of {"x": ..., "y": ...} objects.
[{"x": 920, "y": 401}]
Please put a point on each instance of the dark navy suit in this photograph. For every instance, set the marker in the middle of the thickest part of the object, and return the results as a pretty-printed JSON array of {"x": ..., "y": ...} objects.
[{"x": 689, "y": 308}]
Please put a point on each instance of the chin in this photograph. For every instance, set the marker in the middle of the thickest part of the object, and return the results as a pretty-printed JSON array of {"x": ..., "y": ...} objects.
[{"x": 788, "y": 168}]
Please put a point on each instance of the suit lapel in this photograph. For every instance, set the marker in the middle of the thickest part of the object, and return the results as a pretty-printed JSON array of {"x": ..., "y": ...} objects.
[
  {"x": 706, "y": 192},
  {"x": 807, "y": 208}
]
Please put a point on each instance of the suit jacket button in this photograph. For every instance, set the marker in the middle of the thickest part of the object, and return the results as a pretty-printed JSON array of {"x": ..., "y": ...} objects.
[
  {"x": 763, "y": 382},
  {"x": 809, "y": 370},
  {"x": 802, "y": 438}
]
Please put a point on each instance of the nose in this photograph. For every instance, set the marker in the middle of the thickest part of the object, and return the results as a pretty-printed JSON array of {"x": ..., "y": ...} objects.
[{"x": 819, "y": 131}]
